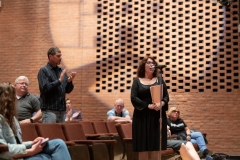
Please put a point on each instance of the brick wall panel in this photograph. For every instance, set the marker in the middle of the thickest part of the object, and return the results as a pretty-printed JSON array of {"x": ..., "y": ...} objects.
[{"x": 202, "y": 57}]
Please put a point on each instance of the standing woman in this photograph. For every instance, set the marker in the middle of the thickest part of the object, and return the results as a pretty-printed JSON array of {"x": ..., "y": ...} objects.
[
  {"x": 10, "y": 134},
  {"x": 145, "y": 124}
]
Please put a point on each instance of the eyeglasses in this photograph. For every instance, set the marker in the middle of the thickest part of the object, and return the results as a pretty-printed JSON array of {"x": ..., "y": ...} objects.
[
  {"x": 23, "y": 83},
  {"x": 176, "y": 111},
  {"x": 149, "y": 62}
]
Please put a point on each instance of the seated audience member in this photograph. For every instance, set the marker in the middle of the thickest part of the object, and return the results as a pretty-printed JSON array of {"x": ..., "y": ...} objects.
[
  {"x": 10, "y": 134},
  {"x": 185, "y": 148},
  {"x": 27, "y": 104},
  {"x": 71, "y": 114},
  {"x": 179, "y": 128},
  {"x": 118, "y": 113}
]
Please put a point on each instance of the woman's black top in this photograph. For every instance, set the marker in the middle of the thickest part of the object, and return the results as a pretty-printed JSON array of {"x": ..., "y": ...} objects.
[{"x": 145, "y": 124}]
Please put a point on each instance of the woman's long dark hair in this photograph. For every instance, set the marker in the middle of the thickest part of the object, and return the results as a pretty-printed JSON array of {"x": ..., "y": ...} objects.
[
  {"x": 7, "y": 104},
  {"x": 141, "y": 67}
]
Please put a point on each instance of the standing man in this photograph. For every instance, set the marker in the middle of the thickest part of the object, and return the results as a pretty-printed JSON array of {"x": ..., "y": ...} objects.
[
  {"x": 27, "y": 104},
  {"x": 118, "y": 113},
  {"x": 54, "y": 83}
]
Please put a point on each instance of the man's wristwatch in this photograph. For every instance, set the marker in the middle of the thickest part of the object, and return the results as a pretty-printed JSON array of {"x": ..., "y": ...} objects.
[
  {"x": 189, "y": 135},
  {"x": 31, "y": 120}
]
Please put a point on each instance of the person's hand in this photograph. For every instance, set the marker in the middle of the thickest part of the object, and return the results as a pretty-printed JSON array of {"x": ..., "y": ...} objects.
[
  {"x": 189, "y": 138},
  {"x": 163, "y": 103},
  {"x": 75, "y": 114},
  {"x": 150, "y": 106},
  {"x": 37, "y": 140},
  {"x": 61, "y": 78},
  {"x": 156, "y": 106},
  {"x": 25, "y": 121},
  {"x": 68, "y": 114},
  {"x": 71, "y": 76},
  {"x": 168, "y": 132},
  {"x": 37, "y": 147}
]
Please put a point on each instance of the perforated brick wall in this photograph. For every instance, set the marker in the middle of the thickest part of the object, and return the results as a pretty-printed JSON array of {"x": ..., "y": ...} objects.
[
  {"x": 195, "y": 39},
  {"x": 103, "y": 40}
]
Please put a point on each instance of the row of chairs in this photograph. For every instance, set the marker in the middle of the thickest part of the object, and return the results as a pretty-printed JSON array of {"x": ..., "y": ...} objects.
[
  {"x": 93, "y": 130},
  {"x": 73, "y": 134},
  {"x": 125, "y": 133},
  {"x": 90, "y": 139},
  {"x": 96, "y": 126},
  {"x": 105, "y": 131}
]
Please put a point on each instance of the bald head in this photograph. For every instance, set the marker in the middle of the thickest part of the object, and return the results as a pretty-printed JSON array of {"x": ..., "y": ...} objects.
[{"x": 119, "y": 105}]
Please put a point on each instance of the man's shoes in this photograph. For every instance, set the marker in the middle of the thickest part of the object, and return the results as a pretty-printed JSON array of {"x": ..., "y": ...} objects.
[
  {"x": 209, "y": 157},
  {"x": 205, "y": 153}
]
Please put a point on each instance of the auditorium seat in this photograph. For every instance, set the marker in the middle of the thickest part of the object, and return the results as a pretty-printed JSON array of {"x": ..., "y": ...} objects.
[
  {"x": 125, "y": 133},
  {"x": 75, "y": 132},
  {"x": 3, "y": 148},
  {"x": 54, "y": 130},
  {"x": 88, "y": 130},
  {"x": 100, "y": 127},
  {"x": 29, "y": 132},
  {"x": 111, "y": 127}
]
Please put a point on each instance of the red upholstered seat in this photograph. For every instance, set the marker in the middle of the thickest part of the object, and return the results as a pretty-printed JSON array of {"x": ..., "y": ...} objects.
[
  {"x": 125, "y": 133},
  {"x": 75, "y": 132},
  {"x": 29, "y": 132}
]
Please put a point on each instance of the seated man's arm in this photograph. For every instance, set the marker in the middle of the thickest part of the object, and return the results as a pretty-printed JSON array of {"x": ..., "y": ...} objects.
[
  {"x": 126, "y": 117},
  {"x": 75, "y": 115},
  {"x": 37, "y": 116},
  {"x": 35, "y": 104},
  {"x": 120, "y": 119}
]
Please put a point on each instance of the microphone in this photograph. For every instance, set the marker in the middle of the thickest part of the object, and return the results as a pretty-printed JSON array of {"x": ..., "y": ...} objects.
[{"x": 159, "y": 67}]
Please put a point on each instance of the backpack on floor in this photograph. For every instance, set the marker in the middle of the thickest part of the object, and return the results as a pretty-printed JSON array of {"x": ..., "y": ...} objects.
[{"x": 220, "y": 156}]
